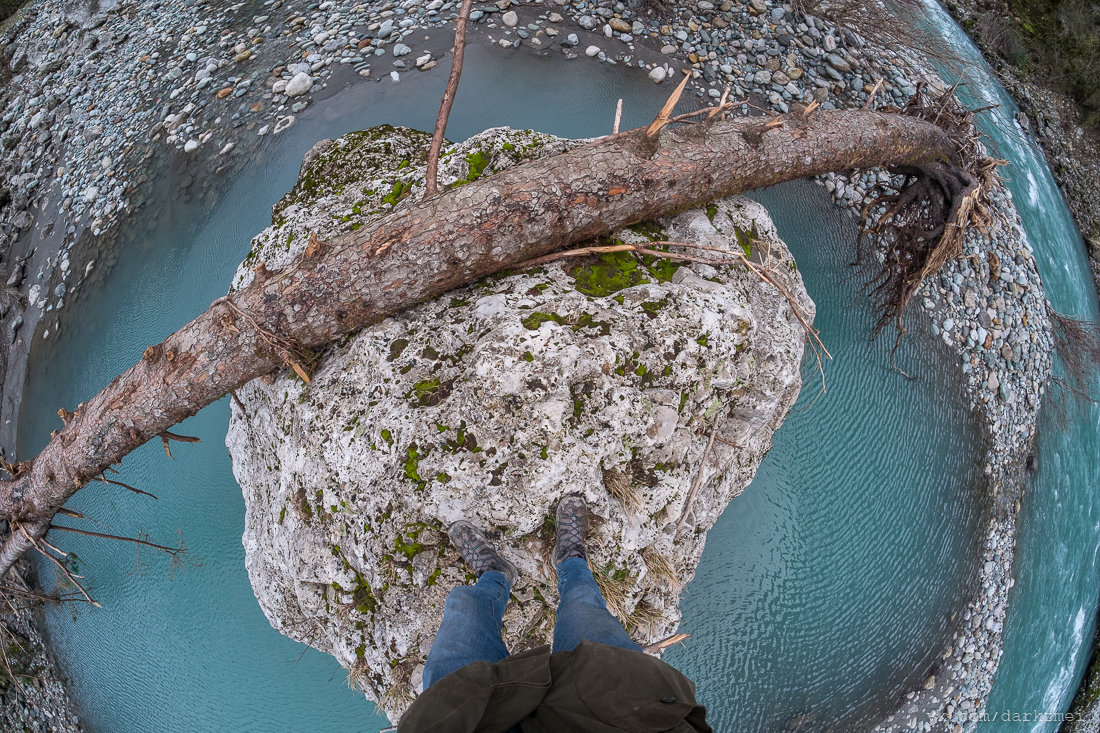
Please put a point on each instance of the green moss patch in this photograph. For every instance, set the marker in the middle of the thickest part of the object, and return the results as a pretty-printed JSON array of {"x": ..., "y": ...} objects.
[
  {"x": 586, "y": 320},
  {"x": 610, "y": 273},
  {"x": 430, "y": 392}
]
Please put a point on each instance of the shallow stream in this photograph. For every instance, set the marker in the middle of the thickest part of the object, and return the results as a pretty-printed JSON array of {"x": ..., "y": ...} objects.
[{"x": 827, "y": 584}]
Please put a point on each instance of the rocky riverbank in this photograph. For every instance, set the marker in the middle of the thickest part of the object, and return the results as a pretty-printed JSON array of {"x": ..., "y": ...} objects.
[
  {"x": 36, "y": 700},
  {"x": 98, "y": 99}
]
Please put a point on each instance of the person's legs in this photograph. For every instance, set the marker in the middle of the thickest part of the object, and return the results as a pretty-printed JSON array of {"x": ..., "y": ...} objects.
[
  {"x": 582, "y": 612},
  {"x": 470, "y": 631},
  {"x": 472, "y": 615}
]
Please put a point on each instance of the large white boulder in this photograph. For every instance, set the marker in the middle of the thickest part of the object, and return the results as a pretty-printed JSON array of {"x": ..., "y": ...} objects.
[{"x": 605, "y": 376}]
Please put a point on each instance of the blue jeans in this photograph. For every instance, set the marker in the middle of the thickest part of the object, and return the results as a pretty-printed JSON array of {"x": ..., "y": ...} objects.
[{"x": 472, "y": 617}]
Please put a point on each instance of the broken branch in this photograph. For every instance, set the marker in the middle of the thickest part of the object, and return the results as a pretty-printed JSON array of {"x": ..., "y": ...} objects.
[
  {"x": 662, "y": 116},
  {"x": 665, "y": 643},
  {"x": 162, "y": 548},
  {"x": 60, "y": 566},
  {"x": 106, "y": 480},
  {"x": 431, "y": 173}
]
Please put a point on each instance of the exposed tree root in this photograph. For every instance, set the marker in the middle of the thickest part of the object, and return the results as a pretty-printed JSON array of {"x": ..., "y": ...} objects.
[
  {"x": 1077, "y": 343},
  {"x": 921, "y": 225}
]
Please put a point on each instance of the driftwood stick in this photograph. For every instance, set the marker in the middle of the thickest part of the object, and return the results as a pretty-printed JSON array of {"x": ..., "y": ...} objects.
[
  {"x": 665, "y": 643},
  {"x": 871, "y": 96},
  {"x": 432, "y": 173},
  {"x": 698, "y": 482},
  {"x": 55, "y": 548},
  {"x": 618, "y": 117}
]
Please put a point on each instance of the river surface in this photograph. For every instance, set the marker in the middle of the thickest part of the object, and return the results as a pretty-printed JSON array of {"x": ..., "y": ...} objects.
[
  {"x": 1052, "y": 607},
  {"x": 826, "y": 584}
]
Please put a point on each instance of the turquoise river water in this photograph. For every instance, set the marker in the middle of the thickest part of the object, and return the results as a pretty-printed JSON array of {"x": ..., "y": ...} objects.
[{"x": 824, "y": 587}]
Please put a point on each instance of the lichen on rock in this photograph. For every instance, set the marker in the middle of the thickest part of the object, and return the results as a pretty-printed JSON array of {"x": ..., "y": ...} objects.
[{"x": 604, "y": 376}]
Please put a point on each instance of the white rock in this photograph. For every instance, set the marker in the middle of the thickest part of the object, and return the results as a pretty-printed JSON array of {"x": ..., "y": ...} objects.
[
  {"x": 91, "y": 194},
  {"x": 395, "y": 77},
  {"x": 490, "y": 404},
  {"x": 658, "y": 74},
  {"x": 510, "y": 19},
  {"x": 190, "y": 146},
  {"x": 299, "y": 85},
  {"x": 400, "y": 49},
  {"x": 421, "y": 60},
  {"x": 283, "y": 124},
  {"x": 592, "y": 51},
  {"x": 279, "y": 86},
  {"x": 228, "y": 146}
]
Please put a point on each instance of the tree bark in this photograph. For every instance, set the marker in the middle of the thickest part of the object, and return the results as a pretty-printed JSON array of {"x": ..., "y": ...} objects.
[{"x": 433, "y": 245}]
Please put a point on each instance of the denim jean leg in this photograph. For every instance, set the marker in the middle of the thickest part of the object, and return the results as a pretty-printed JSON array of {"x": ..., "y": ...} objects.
[
  {"x": 470, "y": 631},
  {"x": 582, "y": 612}
]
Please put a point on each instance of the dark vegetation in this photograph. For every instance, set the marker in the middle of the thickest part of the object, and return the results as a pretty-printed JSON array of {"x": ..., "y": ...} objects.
[
  {"x": 8, "y": 8},
  {"x": 1059, "y": 40}
]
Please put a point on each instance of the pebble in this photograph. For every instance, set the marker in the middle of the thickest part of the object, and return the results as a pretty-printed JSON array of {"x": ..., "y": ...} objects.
[
  {"x": 592, "y": 51},
  {"x": 299, "y": 85}
]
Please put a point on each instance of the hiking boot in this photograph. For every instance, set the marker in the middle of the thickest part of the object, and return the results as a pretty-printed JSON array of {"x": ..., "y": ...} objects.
[
  {"x": 572, "y": 517},
  {"x": 475, "y": 547}
]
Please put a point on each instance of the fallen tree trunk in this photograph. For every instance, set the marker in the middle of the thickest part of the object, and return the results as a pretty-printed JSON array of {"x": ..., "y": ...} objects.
[{"x": 428, "y": 247}]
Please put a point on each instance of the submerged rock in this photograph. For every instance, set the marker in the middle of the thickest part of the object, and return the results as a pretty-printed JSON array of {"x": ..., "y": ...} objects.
[{"x": 606, "y": 376}]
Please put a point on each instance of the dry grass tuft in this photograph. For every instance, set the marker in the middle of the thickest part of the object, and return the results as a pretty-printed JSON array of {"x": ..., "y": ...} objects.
[
  {"x": 614, "y": 592},
  {"x": 645, "y": 619},
  {"x": 660, "y": 569},
  {"x": 398, "y": 696},
  {"x": 618, "y": 485},
  {"x": 359, "y": 676}
]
